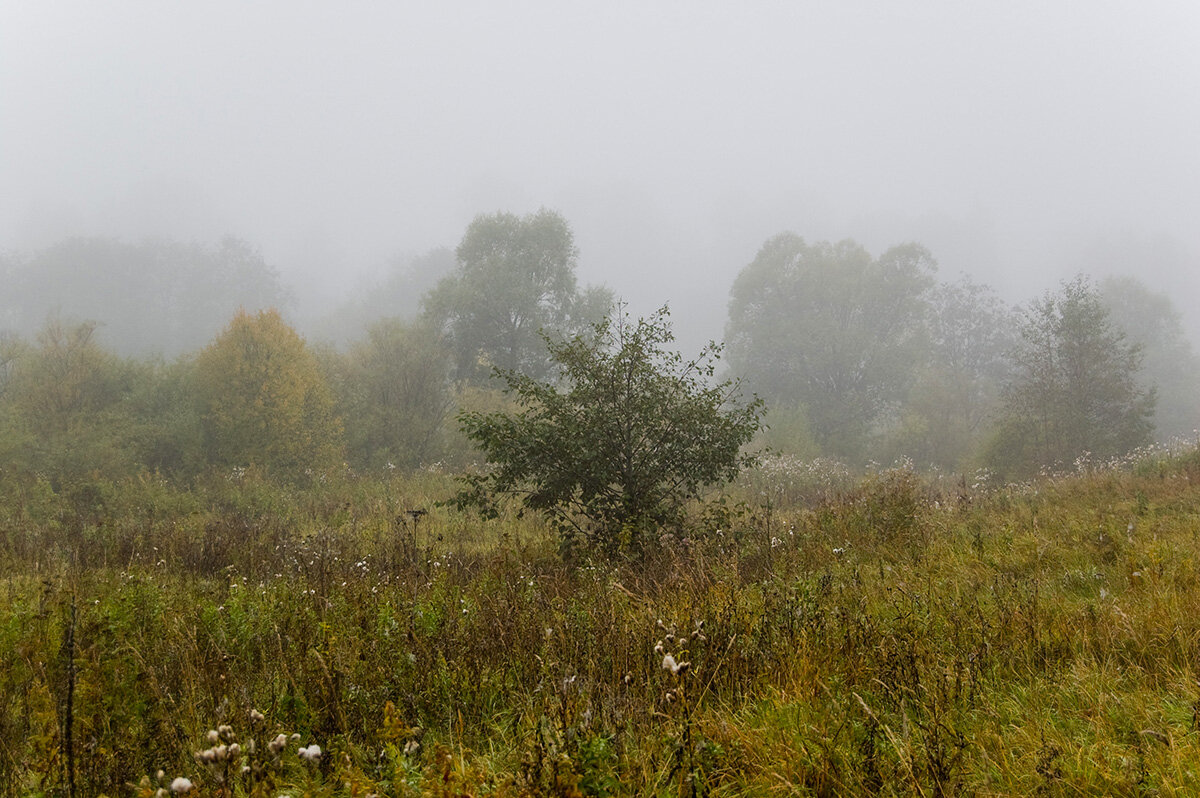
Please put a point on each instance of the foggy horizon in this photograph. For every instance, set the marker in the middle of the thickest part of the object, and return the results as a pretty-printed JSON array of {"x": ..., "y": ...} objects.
[{"x": 1020, "y": 144}]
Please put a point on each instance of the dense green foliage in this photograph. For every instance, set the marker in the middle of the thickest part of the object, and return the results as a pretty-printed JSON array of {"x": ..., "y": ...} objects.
[{"x": 618, "y": 440}]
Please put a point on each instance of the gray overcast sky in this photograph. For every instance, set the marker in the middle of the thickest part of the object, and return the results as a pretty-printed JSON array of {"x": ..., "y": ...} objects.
[{"x": 1020, "y": 141}]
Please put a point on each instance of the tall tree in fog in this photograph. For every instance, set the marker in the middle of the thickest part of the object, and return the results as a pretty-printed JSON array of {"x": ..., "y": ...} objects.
[
  {"x": 1074, "y": 388},
  {"x": 1169, "y": 364},
  {"x": 826, "y": 331},
  {"x": 515, "y": 277},
  {"x": 154, "y": 297}
]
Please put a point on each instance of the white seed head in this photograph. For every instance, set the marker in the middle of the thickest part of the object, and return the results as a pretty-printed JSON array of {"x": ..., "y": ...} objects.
[
  {"x": 181, "y": 785},
  {"x": 669, "y": 664}
]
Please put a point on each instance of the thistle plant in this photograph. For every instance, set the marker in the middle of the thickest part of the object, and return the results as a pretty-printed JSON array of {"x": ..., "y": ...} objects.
[{"x": 680, "y": 702}]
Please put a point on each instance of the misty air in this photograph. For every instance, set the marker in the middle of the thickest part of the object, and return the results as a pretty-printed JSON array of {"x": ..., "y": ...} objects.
[{"x": 647, "y": 399}]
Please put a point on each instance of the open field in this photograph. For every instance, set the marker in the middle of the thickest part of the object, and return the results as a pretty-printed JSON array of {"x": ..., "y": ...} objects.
[{"x": 892, "y": 636}]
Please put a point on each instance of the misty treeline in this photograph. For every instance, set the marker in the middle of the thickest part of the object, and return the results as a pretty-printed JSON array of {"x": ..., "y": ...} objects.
[{"x": 119, "y": 359}]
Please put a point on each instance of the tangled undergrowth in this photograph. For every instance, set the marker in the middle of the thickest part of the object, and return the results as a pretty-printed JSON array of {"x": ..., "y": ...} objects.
[{"x": 894, "y": 636}]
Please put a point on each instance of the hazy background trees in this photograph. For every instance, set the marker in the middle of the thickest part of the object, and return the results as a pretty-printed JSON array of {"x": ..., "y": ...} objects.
[
  {"x": 1152, "y": 322},
  {"x": 154, "y": 297},
  {"x": 394, "y": 394},
  {"x": 957, "y": 377},
  {"x": 1075, "y": 386},
  {"x": 397, "y": 292},
  {"x": 515, "y": 277},
  {"x": 831, "y": 336},
  {"x": 857, "y": 357}
]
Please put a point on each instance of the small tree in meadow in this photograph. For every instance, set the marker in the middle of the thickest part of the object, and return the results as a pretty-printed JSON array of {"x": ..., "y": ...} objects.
[{"x": 615, "y": 443}]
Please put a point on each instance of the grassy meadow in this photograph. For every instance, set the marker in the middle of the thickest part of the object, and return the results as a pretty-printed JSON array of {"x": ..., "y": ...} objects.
[{"x": 818, "y": 634}]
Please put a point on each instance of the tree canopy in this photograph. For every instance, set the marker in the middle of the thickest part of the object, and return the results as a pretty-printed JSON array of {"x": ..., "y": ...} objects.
[
  {"x": 829, "y": 329},
  {"x": 620, "y": 436},
  {"x": 263, "y": 400},
  {"x": 515, "y": 278}
]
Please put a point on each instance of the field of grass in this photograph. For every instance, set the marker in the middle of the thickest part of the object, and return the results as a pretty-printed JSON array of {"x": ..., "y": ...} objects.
[{"x": 889, "y": 636}]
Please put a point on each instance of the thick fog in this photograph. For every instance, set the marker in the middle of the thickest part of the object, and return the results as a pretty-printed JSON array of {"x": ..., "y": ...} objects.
[{"x": 1021, "y": 142}]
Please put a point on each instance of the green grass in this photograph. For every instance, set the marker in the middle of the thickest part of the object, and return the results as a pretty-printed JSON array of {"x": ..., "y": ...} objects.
[{"x": 897, "y": 636}]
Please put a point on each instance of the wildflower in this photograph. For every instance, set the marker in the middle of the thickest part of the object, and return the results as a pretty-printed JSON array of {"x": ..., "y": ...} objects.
[
  {"x": 213, "y": 737},
  {"x": 658, "y": 647},
  {"x": 181, "y": 785},
  {"x": 669, "y": 664},
  {"x": 310, "y": 754},
  {"x": 277, "y": 745},
  {"x": 411, "y": 747},
  {"x": 256, "y": 716}
]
